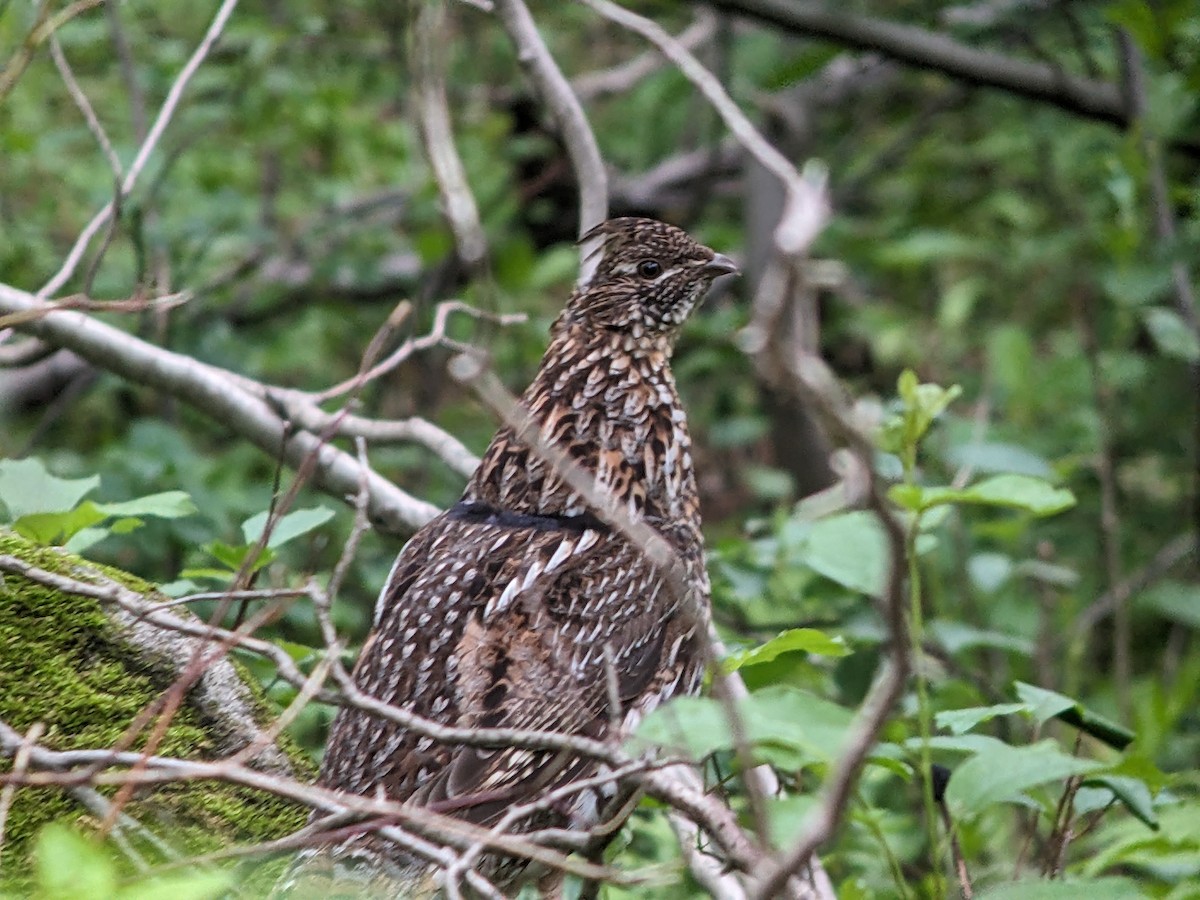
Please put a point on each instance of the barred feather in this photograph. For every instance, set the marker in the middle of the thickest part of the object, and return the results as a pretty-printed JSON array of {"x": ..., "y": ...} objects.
[{"x": 499, "y": 613}]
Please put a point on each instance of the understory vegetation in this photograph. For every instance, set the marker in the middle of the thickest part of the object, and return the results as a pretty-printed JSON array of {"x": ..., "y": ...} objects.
[{"x": 1002, "y": 288}]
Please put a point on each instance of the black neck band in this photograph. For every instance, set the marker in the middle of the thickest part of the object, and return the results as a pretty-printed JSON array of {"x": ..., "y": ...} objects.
[{"x": 483, "y": 514}]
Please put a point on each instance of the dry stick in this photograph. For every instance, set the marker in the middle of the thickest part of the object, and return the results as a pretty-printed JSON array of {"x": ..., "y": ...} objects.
[
  {"x": 217, "y": 393},
  {"x": 137, "y": 98},
  {"x": 61, "y": 770},
  {"x": 312, "y": 686},
  {"x": 1110, "y": 520},
  {"x": 806, "y": 209},
  {"x": 521, "y": 811},
  {"x": 18, "y": 355},
  {"x": 259, "y": 594},
  {"x": 626, "y": 76},
  {"x": 414, "y": 430},
  {"x": 812, "y": 381},
  {"x": 428, "y": 67},
  {"x": 361, "y": 525},
  {"x": 927, "y": 49},
  {"x": 85, "y": 107},
  {"x": 960, "y": 862},
  {"x": 165, "y": 113},
  {"x": 20, "y": 763},
  {"x": 1056, "y": 843},
  {"x": 82, "y": 303},
  {"x": 98, "y": 805},
  {"x": 1169, "y": 555},
  {"x": 569, "y": 119},
  {"x": 98, "y": 132},
  {"x": 435, "y": 338},
  {"x": 44, "y": 27}
]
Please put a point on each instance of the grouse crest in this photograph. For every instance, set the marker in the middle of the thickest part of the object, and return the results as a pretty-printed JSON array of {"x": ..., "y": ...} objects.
[{"x": 516, "y": 607}]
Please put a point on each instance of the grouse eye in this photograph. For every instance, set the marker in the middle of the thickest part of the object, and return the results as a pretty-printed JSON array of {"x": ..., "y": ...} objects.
[{"x": 649, "y": 268}]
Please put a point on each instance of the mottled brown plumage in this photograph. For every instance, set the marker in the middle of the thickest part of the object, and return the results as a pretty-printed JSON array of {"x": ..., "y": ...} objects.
[{"x": 499, "y": 613}]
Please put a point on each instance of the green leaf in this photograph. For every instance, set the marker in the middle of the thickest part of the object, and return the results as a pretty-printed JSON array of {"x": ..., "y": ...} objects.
[
  {"x": 958, "y": 636},
  {"x": 960, "y": 721},
  {"x": 962, "y": 743},
  {"x": 989, "y": 571},
  {"x": 26, "y": 487},
  {"x": 235, "y": 557},
  {"x": 1172, "y": 335},
  {"x": 999, "y": 458},
  {"x": 925, "y": 245},
  {"x": 222, "y": 575},
  {"x": 72, "y": 867},
  {"x": 1136, "y": 285},
  {"x": 788, "y": 816},
  {"x": 73, "y": 527},
  {"x": 1003, "y": 773},
  {"x": 287, "y": 528},
  {"x": 166, "y": 505},
  {"x": 1132, "y": 792},
  {"x": 1043, "y": 704},
  {"x": 850, "y": 549},
  {"x": 1049, "y": 704},
  {"x": 1080, "y": 889},
  {"x": 788, "y": 727},
  {"x": 908, "y": 496},
  {"x": 1174, "y": 600},
  {"x": 57, "y": 527},
  {"x": 695, "y": 726},
  {"x": 1022, "y": 492},
  {"x": 922, "y": 404},
  {"x": 86, "y": 538},
  {"x": 796, "y": 640}
]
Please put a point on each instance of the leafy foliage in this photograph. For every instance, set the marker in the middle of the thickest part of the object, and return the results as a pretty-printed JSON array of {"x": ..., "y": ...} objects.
[{"x": 985, "y": 242}]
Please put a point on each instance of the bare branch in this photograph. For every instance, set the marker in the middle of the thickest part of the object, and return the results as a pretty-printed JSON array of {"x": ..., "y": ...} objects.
[
  {"x": 569, "y": 118},
  {"x": 1169, "y": 555},
  {"x": 85, "y": 106},
  {"x": 623, "y": 78},
  {"x": 929, "y": 50},
  {"x": 44, "y": 27},
  {"x": 165, "y": 113},
  {"x": 806, "y": 208},
  {"x": 219, "y": 395},
  {"x": 429, "y": 90},
  {"x": 17, "y": 355}
]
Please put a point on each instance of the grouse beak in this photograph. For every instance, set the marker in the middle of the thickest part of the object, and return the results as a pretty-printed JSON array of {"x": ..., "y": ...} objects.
[{"x": 721, "y": 264}]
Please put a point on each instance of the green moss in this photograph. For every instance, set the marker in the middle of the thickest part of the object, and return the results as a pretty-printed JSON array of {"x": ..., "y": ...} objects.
[{"x": 62, "y": 664}]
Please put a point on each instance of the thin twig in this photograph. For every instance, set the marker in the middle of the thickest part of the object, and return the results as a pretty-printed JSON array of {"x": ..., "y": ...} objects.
[
  {"x": 85, "y": 106},
  {"x": 428, "y": 67},
  {"x": 805, "y": 208},
  {"x": 20, "y": 764},
  {"x": 626, "y": 76},
  {"x": 165, "y": 113},
  {"x": 569, "y": 119}
]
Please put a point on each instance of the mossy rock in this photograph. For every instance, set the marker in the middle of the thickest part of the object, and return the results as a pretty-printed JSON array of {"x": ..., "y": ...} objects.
[{"x": 85, "y": 670}]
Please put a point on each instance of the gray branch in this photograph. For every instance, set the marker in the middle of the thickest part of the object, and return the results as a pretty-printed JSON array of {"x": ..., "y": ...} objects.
[
  {"x": 217, "y": 394},
  {"x": 924, "y": 49}
]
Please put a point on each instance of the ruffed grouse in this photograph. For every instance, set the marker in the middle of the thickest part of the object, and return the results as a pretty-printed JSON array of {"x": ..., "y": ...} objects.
[{"x": 501, "y": 612}]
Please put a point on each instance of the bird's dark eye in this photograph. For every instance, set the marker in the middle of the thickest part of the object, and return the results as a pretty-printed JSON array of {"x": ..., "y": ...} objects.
[{"x": 649, "y": 268}]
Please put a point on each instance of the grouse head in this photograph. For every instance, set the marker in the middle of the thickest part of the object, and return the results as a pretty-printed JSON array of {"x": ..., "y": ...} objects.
[{"x": 649, "y": 278}]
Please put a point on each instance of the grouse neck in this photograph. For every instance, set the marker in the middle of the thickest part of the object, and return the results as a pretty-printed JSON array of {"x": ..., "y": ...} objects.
[{"x": 616, "y": 413}]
